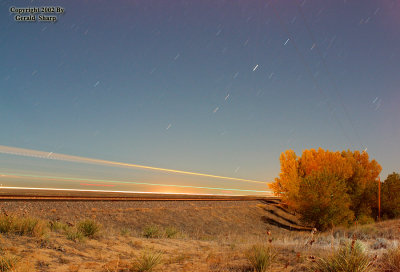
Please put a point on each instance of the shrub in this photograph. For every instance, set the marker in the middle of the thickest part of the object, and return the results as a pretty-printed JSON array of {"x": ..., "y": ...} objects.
[
  {"x": 88, "y": 228},
  {"x": 22, "y": 226},
  {"x": 365, "y": 232},
  {"x": 339, "y": 233},
  {"x": 380, "y": 243},
  {"x": 57, "y": 226},
  {"x": 29, "y": 226},
  {"x": 391, "y": 260},
  {"x": 125, "y": 232},
  {"x": 351, "y": 257},
  {"x": 75, "y": 235},
  {"x": 147, "y": 261},
  {"x": 261, "y": 257},
  {"x": 5, "y": 223},
  {"x": 365, "y": 219},
  {"x": 171, "y": 232},
  {"x": 391, "y": 196},
  {"x": 152, "y": 231}
]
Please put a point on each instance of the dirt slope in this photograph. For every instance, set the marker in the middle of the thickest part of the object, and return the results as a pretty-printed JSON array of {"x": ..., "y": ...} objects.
[{"x": 199, "y": 219}]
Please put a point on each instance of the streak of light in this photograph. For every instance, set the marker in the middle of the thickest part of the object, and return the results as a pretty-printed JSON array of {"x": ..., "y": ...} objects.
[
  {"x": 105, "y": 191},
  {"x": 287, "y": 41},
  {"x": 132, "y": 182},
  {"x": 100, "y": 185},
  {"x": 63, "y": 157}
]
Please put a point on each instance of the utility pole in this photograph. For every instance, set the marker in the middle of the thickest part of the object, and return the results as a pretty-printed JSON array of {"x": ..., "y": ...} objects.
[{"x": 379, "y": 199}]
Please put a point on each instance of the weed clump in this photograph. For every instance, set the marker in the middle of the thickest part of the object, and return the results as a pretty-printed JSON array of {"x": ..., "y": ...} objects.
[
  {"x": 88, "y": 228},
  {"x": 22, "y": 225},
  {"x": 57, "y": 226},
  {"x": 125, "y": 232},
  {"x": 171, "y": 232},
  {"x": 152, "y": 231},
  {"x": 6, "y": 223},
  {"x": 147, "y": 261},
  {"x": 75, "y": 235},
  {"x": 29, "y": 226},
  {"x": 261, "y": 257},
  {"x": 350, "y": 257}
]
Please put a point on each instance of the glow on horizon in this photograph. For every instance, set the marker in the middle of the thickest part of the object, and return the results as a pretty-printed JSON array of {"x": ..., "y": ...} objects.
[
  {"x": 106, "y": 191},
  {"x": 63, "y": 157},
  {"x": 130, "y": 182}
]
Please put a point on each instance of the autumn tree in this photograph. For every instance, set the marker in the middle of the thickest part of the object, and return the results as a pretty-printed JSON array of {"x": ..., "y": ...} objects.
[
  {"x": 324, "y": 160},
  {"x": 391, "y": 196},
  {"x": 287, "y": 184},
  {"x": 363, "y": 183},
  {"x": 305, "y": 177},
  {"x": 322, "y": 202}
]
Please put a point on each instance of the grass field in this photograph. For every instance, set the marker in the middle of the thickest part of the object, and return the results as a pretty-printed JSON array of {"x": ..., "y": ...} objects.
[{"x": 39, "y": 243}]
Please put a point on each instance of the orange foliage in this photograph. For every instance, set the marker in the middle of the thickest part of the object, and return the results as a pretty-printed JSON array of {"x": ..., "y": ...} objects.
[
  {"x": 362, "y": 184},
  {"x": 354, "y": 168},
  {"x": 331, "y": 162},
  {"x": 288, "y": 183}
]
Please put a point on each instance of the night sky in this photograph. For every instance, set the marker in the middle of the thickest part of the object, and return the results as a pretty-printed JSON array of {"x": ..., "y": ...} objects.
[{"x": 217, "y": 87}]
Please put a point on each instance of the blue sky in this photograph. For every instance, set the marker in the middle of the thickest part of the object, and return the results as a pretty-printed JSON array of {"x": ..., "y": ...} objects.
[{"x": 206, "y": 86}]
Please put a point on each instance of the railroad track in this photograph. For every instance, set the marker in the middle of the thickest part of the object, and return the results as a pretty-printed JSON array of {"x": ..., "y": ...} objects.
[
  {"x": 70, "y": 198},
  {"x": 68, "y": 195}
]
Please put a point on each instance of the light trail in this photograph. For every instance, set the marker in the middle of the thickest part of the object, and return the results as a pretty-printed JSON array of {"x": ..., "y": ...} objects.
[
  {"x": 63, "y": 157},
  {"x": 99, "y": 185},
  {"x": 130, "y": 182},
  {"x": 107, "y": 191}
]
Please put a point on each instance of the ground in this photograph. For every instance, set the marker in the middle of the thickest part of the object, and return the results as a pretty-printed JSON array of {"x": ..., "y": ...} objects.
[{"x": 189, "y": 235}]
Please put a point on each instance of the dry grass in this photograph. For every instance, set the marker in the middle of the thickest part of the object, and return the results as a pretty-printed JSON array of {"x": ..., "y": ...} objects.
[
  {"x": 391, "y": 260},
  {"x": 152, "y": 231},
  {"x": 89, "y": 228},
  {"x": 58, "y": 226},
  {"x": 147, "y": 261},
  {"x": 155, "y": 231},
  {"x": 22, "y": 225},
  {"x": 7, "y": 262},
  {"x": 206, "y": 248},
  {"x": 261, "y": 257},
  {"x": 75, "y": 235},
  {"x": 350, "y": 257},
  {"x": 171, "y": 232}
]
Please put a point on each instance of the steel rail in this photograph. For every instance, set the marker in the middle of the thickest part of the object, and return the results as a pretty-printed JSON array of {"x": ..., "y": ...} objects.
[{"x": 77, "y": 198}]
